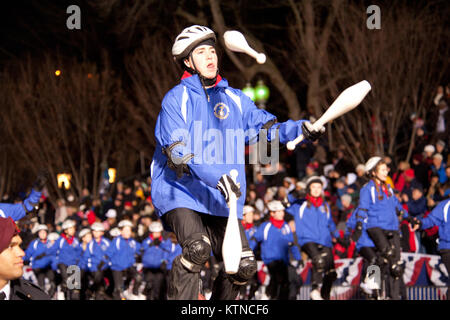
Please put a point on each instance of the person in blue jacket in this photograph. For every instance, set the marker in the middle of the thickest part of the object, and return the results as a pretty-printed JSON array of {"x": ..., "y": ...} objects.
[
  {"x": 18, "y": 210},
  {"x": 154, "y": 260},
  {"x": 356, "y": 230},
  {"x": 122, "y": 254},
  {"x": 96, "y": 259},
  {"x": 384, "y": 211},
  {"x": 85, "y": 237},
  {"x": 316, "y": 233},
  {"x": 250, "y": 230},
  {"x": 39, "y": 254},
  {"x": 276, "y": 242},
  {"x": 68, "y": 254},
  {"x": 201, "y": 132},
  {"x": 440, "y": 216}
]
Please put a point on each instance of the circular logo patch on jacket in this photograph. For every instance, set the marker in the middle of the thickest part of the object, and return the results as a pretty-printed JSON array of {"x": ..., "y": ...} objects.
[{"x": 221, "y": 110}]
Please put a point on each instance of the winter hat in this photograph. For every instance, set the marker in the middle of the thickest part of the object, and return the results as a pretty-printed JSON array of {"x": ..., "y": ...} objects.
[
  {"x": 112, "y": 213},
  {"x": 409, "y": 173},
  {"x": 441, "y": 143},
  {"x": 156, "y": 226},
  {"x": 41, "y": 227},
  {"x": 68, "y": 224},
  {"x": 429, "y": 148},
  {"x": 97, "y": 226},
  {"x": 83, "y": 233},
  {"x": 8, "y": 230},
  {"x": 248, "y": 209},
  {"x": 312, "y": 180},
  {"x": 125, "y": 223},
  {"x": 351, "y": 178},
  {"x": 371, "y": 163},
  {"x": 327, "y": 168},
  {"x": 275, "y": 205},
  {"x": 114, "y": 232},
  {"x": 52, "y": 236}
]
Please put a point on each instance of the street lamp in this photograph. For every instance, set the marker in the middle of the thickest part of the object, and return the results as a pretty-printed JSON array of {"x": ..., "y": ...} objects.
[
  {"x": 112, "y": 175},
  {"x": 249, "y": 91},
  {"x": 64, "y": 180},
  {"x": 262, "y": 94}
]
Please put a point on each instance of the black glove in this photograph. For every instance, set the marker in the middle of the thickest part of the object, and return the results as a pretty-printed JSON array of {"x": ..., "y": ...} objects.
[
  {"x": 414, "y": 221},
  {"x": 40, "y": 256},
  {"x": 226, "y": 185},
  {"x": 309, "y": 133},
  {"x": 100, "y": 265},
  {"x": 163, "y": 266},
  {"x": 41, "y": 180},
  {"x": 345, "y": 242},
  {"x": 358, "y": 231}
]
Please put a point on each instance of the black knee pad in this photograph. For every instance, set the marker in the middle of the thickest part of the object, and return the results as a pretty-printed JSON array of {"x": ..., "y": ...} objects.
[
  {"x": 331, "y": 274},
  {"x": 196, "y": 251},
  {"x": 247, "y": 268},
  {"x": 397, "y": 269},
  {"x": 319, "y": 262}
]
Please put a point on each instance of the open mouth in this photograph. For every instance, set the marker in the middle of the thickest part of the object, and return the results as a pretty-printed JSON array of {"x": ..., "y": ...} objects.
[{"x": 210, "y": 66}]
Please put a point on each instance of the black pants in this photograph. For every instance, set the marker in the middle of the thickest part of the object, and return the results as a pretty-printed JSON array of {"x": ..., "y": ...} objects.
[
  {"x": 388, "y": 240},
  {"x": 70, "y": 294},
  {"x": 371, "y": 257},
  {"x": 41, "y": 274},
  {"x": 184, "y": 284},
  {"x": 278, "y": 288},
  {"x": 119, "y": 283},
  {"x": 445, "y": 257},
  {"x": 327, "y": 277},
  {"x": 154, "y": 284}
]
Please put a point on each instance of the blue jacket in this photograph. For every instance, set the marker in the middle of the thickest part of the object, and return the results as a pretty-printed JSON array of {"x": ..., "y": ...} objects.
[
  {"x": 154, "y": 255},
  {"x": 440, "y": 172},
  {"x": 173, "y": 250},
  {"x": 364, "y": 240},
  {"x": 95, "y": 253},
  {"x": 381, "y": 213},
  {"x": 121, "y": 253},
  {"x": 417, "y": 207},
  {"x": 214, "y": 133},
  {"x": 440, "y": 216},
  {"x": 250, "y": 234},
  {"x": 19, "y": 210},
  {"x": 313, "y": 224},
  {"x": 276, "y": 243},
  {"x": 53, "y": 251},
  {"x": 37, "y": 248},
  {"x": 69, "y": 254}
]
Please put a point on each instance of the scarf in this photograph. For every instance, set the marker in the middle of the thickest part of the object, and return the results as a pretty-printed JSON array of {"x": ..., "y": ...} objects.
[
  {"x": 276, "y": 223},
  {"x": 316, "y": 202},
  {"x": 69, "y": 240}
]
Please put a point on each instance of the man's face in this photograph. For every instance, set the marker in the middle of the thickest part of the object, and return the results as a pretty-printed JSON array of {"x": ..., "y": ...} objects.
[
  {"x": 11, "y": 260},
  {"x": 205, "y": 60}
]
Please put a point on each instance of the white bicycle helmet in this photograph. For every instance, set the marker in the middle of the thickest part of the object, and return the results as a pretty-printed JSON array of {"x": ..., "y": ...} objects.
[
  {"x": 189, "y": 38},
  {"x": 371, "y": 163}
]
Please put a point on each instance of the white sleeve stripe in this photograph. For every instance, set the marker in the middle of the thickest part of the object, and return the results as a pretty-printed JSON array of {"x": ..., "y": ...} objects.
[
  {"x": 183, "y": 104},
  {"x": 235, "y": 98},
  {"x": 266, "y": 231},
  {"x": 2, "y": 213},
  {"x": 151, "y": 169},
  {"x": 446, "y": 211},
  {"x": 372, "y": 191},
  {"x": 302, "y": 209}
]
